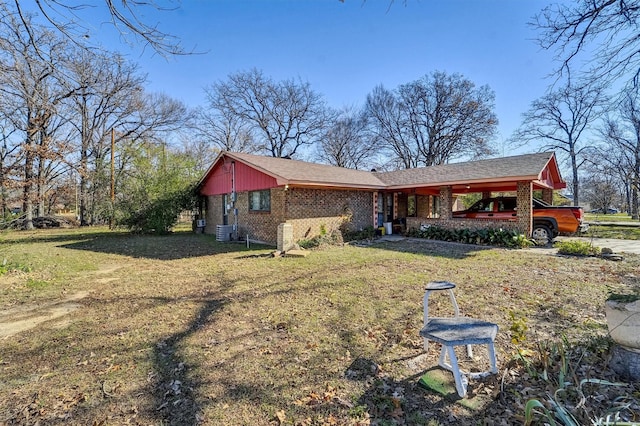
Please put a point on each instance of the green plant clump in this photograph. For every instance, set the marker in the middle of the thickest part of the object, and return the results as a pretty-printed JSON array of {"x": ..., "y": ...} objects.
[
  {"x": 364, "y": 234},
  {"x": 6, "y": 266},
  {"x": 518, "y": 327},
  {"x": 624, "y": 298},
  {"x": 490, "y": 236},
  {"x": 565, "y": 401},
  {"x": 325, "y": 238},
  {"x": 577, "y": 248}
]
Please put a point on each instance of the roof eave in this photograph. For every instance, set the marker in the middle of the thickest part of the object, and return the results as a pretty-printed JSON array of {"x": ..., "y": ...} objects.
[
  {"x": 464, "y": 182},
  {"x": 307, "y": 184}
]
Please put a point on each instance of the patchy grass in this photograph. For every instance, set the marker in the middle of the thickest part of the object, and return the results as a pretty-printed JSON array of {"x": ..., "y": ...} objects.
[
  {"x": 181, "y": 329},
  {"x": 600, "y": 217},
  {"x": 612, "y": 231}
]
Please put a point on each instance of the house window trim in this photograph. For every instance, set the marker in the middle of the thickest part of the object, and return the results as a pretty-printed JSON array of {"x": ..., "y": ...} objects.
[{"x": 267, "y": 192}]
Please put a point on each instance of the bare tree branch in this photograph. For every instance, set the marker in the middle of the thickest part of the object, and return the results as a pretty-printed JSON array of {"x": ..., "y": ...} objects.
[
  {"x": 606, "y": 31},
  {"x": 125, "y": 16}
]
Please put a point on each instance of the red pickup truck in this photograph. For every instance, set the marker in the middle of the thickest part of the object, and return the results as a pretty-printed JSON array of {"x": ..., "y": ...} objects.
[{"x": 548, "y": 221}]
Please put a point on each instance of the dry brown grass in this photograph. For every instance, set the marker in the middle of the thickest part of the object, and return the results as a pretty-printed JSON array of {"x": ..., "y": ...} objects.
[{"x": 184, "y": 330}]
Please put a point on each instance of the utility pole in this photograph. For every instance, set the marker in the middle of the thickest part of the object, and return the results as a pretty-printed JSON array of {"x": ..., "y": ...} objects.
[{"x": 113, "y": 178}]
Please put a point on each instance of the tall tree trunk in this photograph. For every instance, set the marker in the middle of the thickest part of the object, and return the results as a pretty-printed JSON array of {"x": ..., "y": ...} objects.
[
  {"x": 41, "y": 188},
  {"x": 575, "y": 180},
  {"x": 84, "y": 162},
  {"x": 635, "y": 188},
  {"x": 28, "y": 183}
]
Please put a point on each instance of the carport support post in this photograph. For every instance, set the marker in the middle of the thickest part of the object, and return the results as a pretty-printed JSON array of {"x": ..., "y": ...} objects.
[
  {"x": 524, "y": 202},
  {"x": 446, "y": 203}
]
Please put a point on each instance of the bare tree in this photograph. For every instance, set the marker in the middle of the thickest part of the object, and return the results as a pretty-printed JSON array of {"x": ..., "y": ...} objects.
[
  {"x": 345, "y": 142},
  {"x": 434, "y": 120},
  {"x": 106, "y": 87},
  {"x": 30, "y": 84},
  {"x": 126, "y": 16},
  {"x": 10, "y": 160},
  {"x": 110, "y": 102},
  {"x": 283, "y": 116},
  {"x": 622, "y": 132},
  {"x": 602, "y": 186},
  {"x": 559, "y": 120},
  {"x": 221, "y": 126},
  {"x": 608, "y": 27}
]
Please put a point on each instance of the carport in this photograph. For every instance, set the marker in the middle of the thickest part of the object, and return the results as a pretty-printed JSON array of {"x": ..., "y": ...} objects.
[{"x": 426, "y": 195}]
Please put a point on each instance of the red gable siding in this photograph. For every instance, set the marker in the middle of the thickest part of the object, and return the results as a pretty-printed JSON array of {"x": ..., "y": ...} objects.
[{"x": 247, "y": 179}]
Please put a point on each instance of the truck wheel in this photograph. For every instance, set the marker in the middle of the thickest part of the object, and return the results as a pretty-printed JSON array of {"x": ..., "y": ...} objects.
[{"x": 542, "y": 234}]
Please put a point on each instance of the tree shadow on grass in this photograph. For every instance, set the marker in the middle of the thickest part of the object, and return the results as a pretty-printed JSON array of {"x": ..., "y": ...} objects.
[
  {"x": 428, "y": 247},
  {"x": 159, "y": 247},
  {"x": 406, "y": 401},
  {"x": 175, "y": 391}
]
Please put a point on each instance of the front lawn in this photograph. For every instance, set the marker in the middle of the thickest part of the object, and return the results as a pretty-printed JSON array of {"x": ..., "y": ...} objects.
[
  {"x": 181, "y": 329},
  {"x": 613, "y": 231}
]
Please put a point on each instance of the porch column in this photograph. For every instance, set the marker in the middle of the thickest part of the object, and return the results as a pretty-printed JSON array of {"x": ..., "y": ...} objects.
[
  {"x": 524, "y": 202},
  {"x": 446, "y": 202},
  {"x": 375, "y": 210},
  {"x": 547, "y": 196},
  {"x": 395, "y": 205}
]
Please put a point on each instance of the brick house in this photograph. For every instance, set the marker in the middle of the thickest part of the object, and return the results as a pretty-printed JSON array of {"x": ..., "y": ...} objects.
[{"x": 253, "y": 196}]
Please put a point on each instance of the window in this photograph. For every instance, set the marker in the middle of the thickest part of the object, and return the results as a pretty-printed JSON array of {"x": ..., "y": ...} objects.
[
  {"x": 435, "y": 206},
  {"x": 411, "y": 206},
  {"x": 260, "y": 201}
]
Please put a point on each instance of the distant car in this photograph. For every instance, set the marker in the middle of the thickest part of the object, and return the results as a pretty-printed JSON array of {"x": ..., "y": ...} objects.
[
  {"x": 16, "y": 210},
  {"x": 610, "y": 210}
]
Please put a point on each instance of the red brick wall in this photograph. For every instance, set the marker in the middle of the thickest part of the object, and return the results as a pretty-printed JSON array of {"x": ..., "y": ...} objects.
[
  {"x": 306, "y": 209},
  {"x": 309, "y": 209},
  {"x": 213, "y": 215}
]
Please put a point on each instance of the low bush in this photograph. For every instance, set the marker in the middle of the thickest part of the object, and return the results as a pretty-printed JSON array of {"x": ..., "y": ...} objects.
[
  {"x": 7, "y": 266},
  {"x": 333, "y": 238},
  {"x": 363, "y": 234},
  {"x": 577, "y": 248},
  {"x": 490, "y": 236}
]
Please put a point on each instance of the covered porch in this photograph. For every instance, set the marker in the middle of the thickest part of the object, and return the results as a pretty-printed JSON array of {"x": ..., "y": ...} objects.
[{"x": 428, "y": 196}]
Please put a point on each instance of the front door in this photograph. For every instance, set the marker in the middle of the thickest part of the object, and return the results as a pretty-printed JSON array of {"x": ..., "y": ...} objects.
[{"x": 388, "y": 208}]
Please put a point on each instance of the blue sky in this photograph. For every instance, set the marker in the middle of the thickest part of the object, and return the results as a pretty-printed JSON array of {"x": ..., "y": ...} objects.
[{"x": 345, "y": 49}]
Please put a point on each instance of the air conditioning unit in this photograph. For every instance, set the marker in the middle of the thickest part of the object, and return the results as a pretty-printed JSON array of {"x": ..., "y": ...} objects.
[
  {"x": 200, "y": 223},
  {"x": 223, "y": 232}
]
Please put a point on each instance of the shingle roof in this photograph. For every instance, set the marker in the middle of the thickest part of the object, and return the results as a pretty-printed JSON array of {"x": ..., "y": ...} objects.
[
  {"x": 524, "y": 167},
  {"x": 301, "y": 172},
  {"x": 505, "y": 169}
]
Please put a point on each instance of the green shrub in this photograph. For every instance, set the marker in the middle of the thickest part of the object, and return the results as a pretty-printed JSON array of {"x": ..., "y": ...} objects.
[
  {"x": 6, "y": 266},
  {"x": 161, "y": 214},
  {"x": 364, "y": 234},
  {"x": 490, "y": 236},
  {"x": 579, "y": 248}
]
